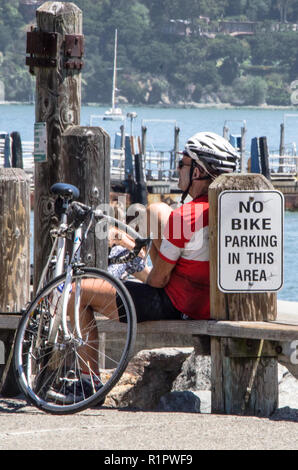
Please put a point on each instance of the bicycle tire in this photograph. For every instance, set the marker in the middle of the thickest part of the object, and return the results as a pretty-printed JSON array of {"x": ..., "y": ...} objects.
[{"x": 43, "y": 370}]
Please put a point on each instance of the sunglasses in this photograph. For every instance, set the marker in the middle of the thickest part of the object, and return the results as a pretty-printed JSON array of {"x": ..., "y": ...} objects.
[{"x": 181, "y": 164}]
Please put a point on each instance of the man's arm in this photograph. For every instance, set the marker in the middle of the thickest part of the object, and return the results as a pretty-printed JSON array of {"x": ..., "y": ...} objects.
[{"x": 160, "y": 274}]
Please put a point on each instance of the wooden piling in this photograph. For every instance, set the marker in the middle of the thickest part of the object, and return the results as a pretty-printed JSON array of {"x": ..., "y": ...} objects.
[
  {"x": 225, "y": 132},
  {"x": 264, "y": 157},
  {"x": 281, "y": 147},
  {"x": 16, "y": 150},
  {"x": 144, "y": 143},
  {"x": 242, "y": 148},
  {"x": 86, "y": 160},
  {"x": 176, "y": 147},
  {"x": 14, "y": 257},
  {"x": 242, "y": 382},
  {"x": 58, "y": 100}
]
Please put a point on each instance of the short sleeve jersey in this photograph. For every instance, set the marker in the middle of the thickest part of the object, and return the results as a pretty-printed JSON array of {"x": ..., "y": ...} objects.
[{"x": 186, "y": 244}]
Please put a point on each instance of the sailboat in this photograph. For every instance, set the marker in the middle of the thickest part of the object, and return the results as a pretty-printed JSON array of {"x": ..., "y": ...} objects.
[{"x": 114, "y": 113}]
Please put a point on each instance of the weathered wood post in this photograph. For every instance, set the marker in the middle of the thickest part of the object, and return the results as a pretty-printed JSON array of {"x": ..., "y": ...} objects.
[
  {"x": 244, "y": 378},
  {"x": 56, "y": 49},
  {"x": 86, "y": 160},
  {"x": 144, "y": 142},
  {"x": 176, "y": 148},
  {"x": 16, "y": 150},
  {"x": 7, "y": 151},
  {"x": 243, "y": 147},
  {"x": 14, "y": 257},
  {"x": 264, "y": 157},
  {"x": 225, "y": 132},
  {"x": 281, "y": 147}
]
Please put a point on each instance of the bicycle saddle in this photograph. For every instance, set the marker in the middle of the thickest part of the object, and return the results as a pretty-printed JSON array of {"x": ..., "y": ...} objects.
[{"x": 65, "y": 190}]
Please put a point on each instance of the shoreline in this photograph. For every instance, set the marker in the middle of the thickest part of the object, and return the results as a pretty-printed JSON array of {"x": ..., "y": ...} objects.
[{"x": 190, "y": 105}]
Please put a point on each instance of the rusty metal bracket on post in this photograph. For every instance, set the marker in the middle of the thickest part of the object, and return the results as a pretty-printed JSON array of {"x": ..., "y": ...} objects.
[
  {"x": 42, "y": 48},
  {"x": 73, "y": 51}
]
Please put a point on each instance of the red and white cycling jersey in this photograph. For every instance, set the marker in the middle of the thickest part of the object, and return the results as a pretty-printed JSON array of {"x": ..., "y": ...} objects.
[{"x": 186, "y": 245}]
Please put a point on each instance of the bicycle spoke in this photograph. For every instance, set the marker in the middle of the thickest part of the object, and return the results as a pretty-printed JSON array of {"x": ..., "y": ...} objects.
[{"x": 69, "y": 375}]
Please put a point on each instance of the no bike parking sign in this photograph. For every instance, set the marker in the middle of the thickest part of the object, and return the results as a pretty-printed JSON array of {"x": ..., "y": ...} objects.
[{"x": 250, "y": 241}]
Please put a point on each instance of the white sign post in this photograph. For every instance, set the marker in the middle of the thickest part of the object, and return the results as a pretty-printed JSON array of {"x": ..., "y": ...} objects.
[{"x": 250, "y": 241}]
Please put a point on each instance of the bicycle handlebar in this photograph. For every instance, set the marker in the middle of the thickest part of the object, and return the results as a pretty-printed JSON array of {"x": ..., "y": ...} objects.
[
  {"x": 140, "y": 242},
  {"x": 81, "y": 211}
]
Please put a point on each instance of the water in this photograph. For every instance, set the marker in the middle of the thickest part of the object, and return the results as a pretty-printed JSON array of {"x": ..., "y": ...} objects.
[
  {"x": 259, "y": 122},
  {"x": 160, "y": 136}
]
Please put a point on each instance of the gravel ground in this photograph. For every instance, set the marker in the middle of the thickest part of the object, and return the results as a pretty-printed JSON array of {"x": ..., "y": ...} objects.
[{"x": 26, "y": 428}]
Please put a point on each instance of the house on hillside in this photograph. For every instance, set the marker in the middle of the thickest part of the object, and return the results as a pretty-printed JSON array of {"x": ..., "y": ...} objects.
[{"x": 237, "y": 28}]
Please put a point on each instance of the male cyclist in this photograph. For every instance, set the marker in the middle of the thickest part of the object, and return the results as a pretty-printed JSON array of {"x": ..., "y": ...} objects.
[{"x": 178, "y": 284}]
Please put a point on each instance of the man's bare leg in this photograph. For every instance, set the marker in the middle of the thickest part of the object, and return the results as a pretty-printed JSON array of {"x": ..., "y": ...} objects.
[
  {"x": 96, "y": 296},
  {"x": 99, "y": 296}
]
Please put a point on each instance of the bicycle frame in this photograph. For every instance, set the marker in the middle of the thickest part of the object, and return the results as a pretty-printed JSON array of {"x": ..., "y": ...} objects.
[{"x": 60, "y": 317}]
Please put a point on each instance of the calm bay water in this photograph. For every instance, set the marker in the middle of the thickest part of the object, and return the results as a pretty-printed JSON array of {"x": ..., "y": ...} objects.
[
  {"x": 259, "y": 122},
  {"x": 160, "y": 136}
]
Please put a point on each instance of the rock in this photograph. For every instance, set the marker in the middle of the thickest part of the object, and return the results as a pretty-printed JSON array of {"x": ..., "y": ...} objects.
[
  {"x": 179, "y": 379},
  {"x": 149, "y": 376},
  {"x": 195, "y": 374},
  {"x": 288, "y": 388},
  {"x": 186, "y": 402}
]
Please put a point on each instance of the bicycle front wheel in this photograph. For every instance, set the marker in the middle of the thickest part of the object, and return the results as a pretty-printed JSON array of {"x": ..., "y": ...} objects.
[{"x": 77, "y": 370}]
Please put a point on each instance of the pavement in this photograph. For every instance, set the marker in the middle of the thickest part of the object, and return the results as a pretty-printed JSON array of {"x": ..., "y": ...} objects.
[{"x": 23, "y": 427}]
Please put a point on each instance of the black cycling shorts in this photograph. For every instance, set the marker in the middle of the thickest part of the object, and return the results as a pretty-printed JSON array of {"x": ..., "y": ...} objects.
[{"x": 151, "y": 303}]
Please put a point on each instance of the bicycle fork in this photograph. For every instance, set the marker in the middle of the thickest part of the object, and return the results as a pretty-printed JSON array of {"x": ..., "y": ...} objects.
[{"x": 61, "y": 298}]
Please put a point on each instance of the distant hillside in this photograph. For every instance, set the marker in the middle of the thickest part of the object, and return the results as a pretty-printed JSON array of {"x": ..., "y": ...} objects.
[{"x": 170, "y": 51}]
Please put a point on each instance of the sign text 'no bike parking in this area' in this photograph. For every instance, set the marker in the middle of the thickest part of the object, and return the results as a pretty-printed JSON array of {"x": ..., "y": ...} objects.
[{"x": 250, "y": 241}]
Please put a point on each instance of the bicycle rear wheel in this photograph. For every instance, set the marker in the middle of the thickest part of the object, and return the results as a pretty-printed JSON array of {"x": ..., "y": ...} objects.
[{"x": 77, "y": 371}]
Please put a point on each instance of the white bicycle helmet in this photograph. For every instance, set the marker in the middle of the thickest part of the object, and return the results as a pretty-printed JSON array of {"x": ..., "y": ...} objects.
[{"x": 213, "y": 152}]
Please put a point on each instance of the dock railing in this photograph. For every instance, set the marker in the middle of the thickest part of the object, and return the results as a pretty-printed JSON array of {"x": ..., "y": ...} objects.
[{"x": 285, "y": 164}]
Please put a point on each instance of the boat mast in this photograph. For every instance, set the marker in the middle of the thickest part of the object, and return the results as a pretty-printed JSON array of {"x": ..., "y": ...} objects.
[{"x": 114, "y": 71}]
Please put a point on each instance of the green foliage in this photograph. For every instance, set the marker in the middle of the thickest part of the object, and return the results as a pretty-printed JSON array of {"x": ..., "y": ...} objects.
[
  {"x": 277, "y": 95},
  {"x": 251, "y": 90},
  {"x": 155, "y": 64}
]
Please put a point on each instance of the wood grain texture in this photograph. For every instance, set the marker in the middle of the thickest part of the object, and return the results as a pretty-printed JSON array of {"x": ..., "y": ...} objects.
[
  {"x": 58, "y": 103},
  {"x": 235, "y": 306},
  {"x": 86, "y": 156},
  {"x": 239, "y": 385},
  {"x": 14, "y": 239}
]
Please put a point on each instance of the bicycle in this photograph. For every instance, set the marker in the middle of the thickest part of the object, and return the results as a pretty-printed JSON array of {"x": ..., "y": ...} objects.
[{"x": 58, "y": 361}]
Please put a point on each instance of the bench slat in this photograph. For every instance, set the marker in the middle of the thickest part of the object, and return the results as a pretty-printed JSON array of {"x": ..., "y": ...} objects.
[
  {"x": 253, "y": 330},
  {"x": 285, "y": 328}
]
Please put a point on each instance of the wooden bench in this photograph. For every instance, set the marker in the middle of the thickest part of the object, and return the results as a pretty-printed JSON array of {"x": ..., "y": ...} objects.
[
  {"x": 280, "y": 336},
  {"x": 283, "y": 330}
]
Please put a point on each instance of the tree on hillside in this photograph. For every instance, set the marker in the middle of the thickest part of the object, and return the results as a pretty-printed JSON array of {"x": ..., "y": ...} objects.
[
  {"x": 228, "y": 53},
  {"x": 283, "y": 8},
  {"x": 11, "y": 22},
  {"x": 258, "y": 10},
  {"x": 161, "y": 11},
  {"x": 265, "y": 49}
]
